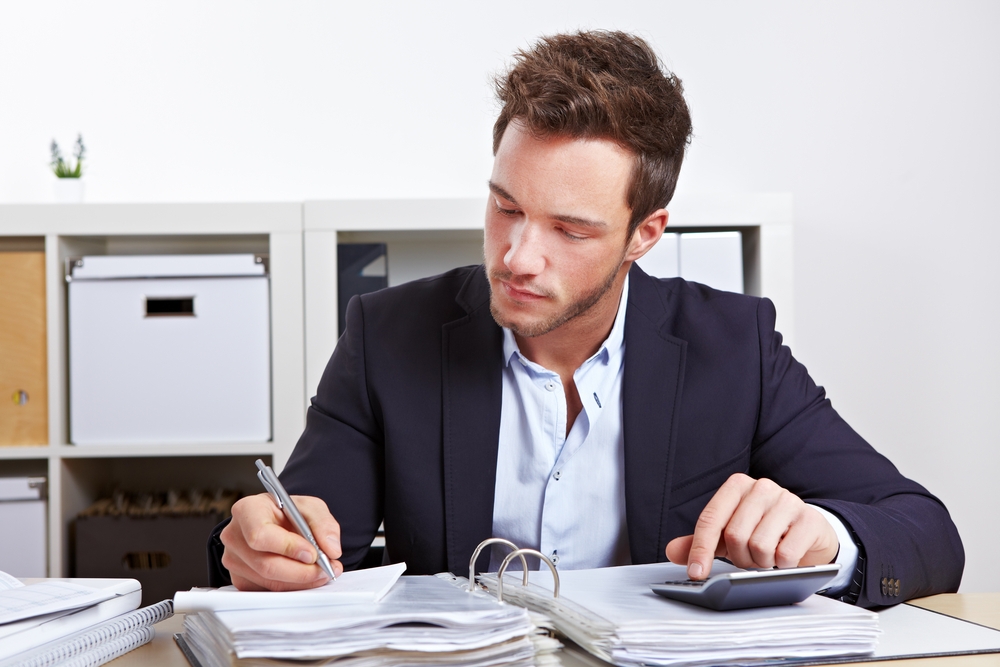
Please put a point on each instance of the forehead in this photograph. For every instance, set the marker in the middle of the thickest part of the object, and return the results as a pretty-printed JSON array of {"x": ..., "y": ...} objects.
[{"x": 561, "y": 175}]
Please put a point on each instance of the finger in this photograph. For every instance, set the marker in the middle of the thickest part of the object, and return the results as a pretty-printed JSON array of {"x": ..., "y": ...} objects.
[
  {"x": 678, "y": 549},
  {"x": 763, "y": 544},
  {"x": 324, "y": 527},
  {"x": 738, "y": 532},
  {"x": 259, "y": 551},
  {"x": 275, "y": 573},
  {"x": 252, "y": 570},
  {"x": 810, "y": 540},
  {"x": 711, "y": 523},
  {"x": 278, "y": 539},
  {"x": 264, "y": 527}
]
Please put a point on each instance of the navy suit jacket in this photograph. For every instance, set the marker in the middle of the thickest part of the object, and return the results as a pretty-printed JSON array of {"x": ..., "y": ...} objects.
[{"x": 405, "y": 426}]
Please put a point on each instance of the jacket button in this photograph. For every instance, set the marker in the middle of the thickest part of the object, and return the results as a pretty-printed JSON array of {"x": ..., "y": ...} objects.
[
  {"x": 895, "y": 588},
  {"x": 885, "y": 586}
]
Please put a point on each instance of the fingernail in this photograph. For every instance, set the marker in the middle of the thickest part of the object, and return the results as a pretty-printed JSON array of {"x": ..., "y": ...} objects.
[
  {"x": 694, "y": 570},
  {"x": 305, "y": 557}
]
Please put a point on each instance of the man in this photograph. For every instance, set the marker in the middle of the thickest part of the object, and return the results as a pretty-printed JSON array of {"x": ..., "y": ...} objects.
[{"x": 561, "y": 398}]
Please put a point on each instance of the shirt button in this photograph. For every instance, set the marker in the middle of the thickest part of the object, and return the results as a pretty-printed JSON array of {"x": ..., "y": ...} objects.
[
  {"x": 551, "y": 386},
  {"x": 557, "y": 474},
  {"x": 555, "y": 559}
]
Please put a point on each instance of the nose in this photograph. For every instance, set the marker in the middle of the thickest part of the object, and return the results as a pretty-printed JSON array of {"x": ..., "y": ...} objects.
[{"x": 525, "y": 256}]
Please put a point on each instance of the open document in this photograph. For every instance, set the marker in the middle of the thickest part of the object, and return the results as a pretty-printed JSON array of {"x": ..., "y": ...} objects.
[{"x": 612, "y": 613}]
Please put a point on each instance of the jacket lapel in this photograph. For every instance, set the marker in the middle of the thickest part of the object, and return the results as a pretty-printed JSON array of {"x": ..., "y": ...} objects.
[
  {"x": 651, "y": 397},
  {"x": 471, "y": 395}
]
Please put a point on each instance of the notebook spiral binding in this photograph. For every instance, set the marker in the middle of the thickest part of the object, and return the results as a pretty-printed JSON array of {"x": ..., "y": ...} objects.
[
  {"x": 515, "y": 553},
  {"x": 118, "y": 634}
]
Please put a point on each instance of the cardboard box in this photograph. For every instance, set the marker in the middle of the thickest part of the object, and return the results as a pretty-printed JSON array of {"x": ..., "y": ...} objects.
[
  {"x": 165, "y": 553},
  {"x": 24, "y": 401}
]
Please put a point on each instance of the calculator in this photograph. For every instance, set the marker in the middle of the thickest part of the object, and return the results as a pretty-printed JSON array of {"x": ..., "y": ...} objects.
[{"x": 750, "y": 588}]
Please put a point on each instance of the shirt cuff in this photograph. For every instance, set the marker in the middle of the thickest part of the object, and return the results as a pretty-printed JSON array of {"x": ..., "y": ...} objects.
[{"x": 847, "y": 556}]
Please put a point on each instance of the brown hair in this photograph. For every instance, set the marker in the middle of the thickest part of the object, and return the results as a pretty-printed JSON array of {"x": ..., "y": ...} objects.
[{"x": 607, "y": 85}]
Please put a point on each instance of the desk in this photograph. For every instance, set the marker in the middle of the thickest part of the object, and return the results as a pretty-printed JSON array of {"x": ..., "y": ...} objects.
[{"x": 982, "y": 608}]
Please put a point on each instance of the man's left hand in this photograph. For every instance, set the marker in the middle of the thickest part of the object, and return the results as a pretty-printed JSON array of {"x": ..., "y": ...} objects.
[{"x": 755, "y": 523}]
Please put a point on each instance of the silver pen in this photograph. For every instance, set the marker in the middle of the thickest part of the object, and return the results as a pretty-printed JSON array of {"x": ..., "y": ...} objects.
[{"x": 285, "y": 504}]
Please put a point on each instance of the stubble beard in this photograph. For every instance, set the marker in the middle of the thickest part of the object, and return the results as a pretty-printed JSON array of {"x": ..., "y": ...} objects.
[{"x": 573, "y": 310}]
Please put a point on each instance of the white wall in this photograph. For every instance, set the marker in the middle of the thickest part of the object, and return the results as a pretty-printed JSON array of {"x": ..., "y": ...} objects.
[{"x": 880, "y": 118}]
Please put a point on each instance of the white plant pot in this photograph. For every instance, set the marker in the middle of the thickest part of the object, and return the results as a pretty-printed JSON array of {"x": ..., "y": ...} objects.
[{"x": 68, "y": 190}]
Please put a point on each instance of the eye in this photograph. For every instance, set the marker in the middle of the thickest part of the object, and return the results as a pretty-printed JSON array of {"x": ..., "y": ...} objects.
[
  {"x": 504, "y": 211},
  {"x": 571, "y": 236}
]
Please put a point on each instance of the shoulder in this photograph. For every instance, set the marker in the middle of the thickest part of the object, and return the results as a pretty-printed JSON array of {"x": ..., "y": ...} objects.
[
  {"x": 687, "y": 309},
  {"x": 437, "y": 299},
  {"x": 420, "y": 306}
]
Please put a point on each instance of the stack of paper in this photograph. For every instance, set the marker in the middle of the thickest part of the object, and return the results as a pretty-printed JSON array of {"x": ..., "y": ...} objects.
[
  {"x": 423, "y": 620},
  {"x": 84, "y": 622},
  {"x": 612, "y": 613}
]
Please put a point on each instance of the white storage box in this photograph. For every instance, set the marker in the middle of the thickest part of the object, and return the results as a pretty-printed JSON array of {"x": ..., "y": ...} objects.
[
  {"x": 169, "y": 349},
  {"x": 22, "y": 520}
]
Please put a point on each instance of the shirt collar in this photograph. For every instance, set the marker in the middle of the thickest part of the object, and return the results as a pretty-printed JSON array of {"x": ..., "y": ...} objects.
[{"x": 611, "y": 346}]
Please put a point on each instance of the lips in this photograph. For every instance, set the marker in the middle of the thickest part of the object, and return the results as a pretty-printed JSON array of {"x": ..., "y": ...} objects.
[{"x": 519, "y": 294}]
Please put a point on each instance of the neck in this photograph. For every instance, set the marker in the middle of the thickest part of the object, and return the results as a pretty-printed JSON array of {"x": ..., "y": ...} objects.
[{"x": 564, "y": 349}]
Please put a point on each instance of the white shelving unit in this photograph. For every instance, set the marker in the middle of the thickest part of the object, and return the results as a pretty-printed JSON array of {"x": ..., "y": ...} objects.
[
  {"x": 79, "y": 475},
  {"x": 423, "y": 237}
]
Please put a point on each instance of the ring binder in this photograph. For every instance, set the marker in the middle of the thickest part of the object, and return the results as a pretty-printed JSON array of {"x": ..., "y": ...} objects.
[
  {"x": 530, "y": 552},
  {"x": 479, "y": 550}
]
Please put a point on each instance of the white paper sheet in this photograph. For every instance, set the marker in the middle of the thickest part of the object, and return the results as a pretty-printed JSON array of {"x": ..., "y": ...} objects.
[
  {"x": 8, "y": 582},
  {"x": 356, "y": 587}
]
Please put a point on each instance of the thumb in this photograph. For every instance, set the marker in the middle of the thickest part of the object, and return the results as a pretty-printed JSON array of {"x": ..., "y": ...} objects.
[{"x": 324, "y": 527}]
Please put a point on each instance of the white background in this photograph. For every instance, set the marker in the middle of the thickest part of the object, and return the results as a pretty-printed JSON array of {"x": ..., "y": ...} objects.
[{"x": 881, "y": 118}]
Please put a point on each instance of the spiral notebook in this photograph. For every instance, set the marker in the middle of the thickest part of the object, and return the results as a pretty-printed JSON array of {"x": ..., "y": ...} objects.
[
  {"x": 98, "y": 644},
  {"x": 43, "y": 621}
]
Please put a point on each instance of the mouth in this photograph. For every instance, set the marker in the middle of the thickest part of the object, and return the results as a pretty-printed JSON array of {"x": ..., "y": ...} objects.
[{"x": 518, "y": 294}]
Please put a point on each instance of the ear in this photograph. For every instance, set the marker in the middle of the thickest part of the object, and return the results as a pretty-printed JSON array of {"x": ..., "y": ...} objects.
[{"x": 647, "y": 234}]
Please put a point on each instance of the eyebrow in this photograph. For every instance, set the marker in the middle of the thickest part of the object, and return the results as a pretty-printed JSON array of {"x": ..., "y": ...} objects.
[{"x": 571, "y": 219}]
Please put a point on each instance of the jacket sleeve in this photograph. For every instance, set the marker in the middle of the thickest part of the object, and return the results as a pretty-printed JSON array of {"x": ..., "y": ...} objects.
[
  {"x": 909, "y": 545},
  {"x": 339, "y": 457}
]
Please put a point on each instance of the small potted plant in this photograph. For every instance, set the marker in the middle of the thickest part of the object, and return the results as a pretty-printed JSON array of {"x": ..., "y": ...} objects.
[{"x": 68, "y": 186}]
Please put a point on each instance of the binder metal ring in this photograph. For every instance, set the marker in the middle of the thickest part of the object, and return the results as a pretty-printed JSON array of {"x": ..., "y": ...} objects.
[
  {"x": 479, "y": 550},
  {"x": 529, "y": 552}
]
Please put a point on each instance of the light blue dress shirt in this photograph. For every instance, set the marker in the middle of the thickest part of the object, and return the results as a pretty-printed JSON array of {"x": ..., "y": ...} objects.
[{"x": 564, "y": 494}]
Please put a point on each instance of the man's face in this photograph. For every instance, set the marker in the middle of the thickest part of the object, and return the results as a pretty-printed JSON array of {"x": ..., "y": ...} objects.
[{"x": 555, "y": 229}]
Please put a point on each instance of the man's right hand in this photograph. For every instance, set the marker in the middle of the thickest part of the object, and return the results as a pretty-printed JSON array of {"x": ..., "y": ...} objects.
[{"x": 264, "y": 552}]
